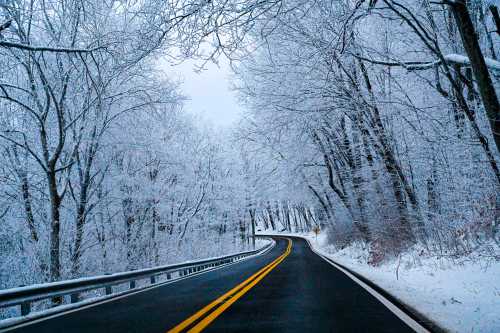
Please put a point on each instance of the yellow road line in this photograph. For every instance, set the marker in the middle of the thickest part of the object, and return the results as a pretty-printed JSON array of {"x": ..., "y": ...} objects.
[
  {"x": 217, "y": 312},
  {"x": 218, "y": 301},
  {"x": 222, "y": 298}
]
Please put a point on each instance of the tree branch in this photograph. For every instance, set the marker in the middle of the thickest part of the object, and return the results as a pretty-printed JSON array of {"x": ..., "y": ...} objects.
[
  {"x": 456, "y": 59},
  {"x": 28, "y": 47}
]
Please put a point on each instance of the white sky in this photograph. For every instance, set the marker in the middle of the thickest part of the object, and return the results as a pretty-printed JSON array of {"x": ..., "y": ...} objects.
[{"x": 209, "y": 91}]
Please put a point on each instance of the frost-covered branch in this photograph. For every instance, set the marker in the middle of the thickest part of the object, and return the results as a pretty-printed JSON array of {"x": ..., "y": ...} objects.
[
  {"x": 27, "y": 47},
  {"x": 5, "y": 25},
  {"x": 455, "y": 59}
]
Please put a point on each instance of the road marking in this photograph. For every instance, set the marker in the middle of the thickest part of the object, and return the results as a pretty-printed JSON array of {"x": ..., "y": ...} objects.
[
  {"x": 234, "y": 294},
  {"x": 96, "y": 302},
  {"x": 211, "y": 317},
  {"x": 412, "y": 323}
]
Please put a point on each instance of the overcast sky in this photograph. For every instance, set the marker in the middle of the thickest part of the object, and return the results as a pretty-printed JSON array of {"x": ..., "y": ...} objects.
[{"x": 209, "y": 92}]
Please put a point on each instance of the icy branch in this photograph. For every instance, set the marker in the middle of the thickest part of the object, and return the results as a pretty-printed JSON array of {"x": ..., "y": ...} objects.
[
  {"x": 5, "y": 25},
  {"x": 27, "y": 47},
  {"x": 456, "y": 59}
]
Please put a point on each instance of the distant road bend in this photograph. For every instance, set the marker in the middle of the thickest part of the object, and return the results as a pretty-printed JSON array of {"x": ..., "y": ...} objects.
[{"x": 288, "y": 289}]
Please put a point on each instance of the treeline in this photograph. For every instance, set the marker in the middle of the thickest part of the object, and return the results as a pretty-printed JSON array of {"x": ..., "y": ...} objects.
[
  {"x": 381, "y": 112},
  {"x": 377, "y": 120},
  {"x": 101, "y": 171}
]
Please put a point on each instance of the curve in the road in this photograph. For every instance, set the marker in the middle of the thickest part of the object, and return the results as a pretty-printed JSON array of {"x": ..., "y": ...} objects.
[
  {"x": 225, "y": 301},
  {"x": 303, "y": 293}
]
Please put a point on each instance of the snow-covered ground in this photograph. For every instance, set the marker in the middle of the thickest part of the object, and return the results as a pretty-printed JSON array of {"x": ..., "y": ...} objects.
[{"x": 459, "y": 296}]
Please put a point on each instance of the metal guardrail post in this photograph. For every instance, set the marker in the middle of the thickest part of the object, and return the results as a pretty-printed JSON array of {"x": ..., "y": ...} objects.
[
  {"x": 74, "y": 298},
  {"x": 25, "y": 308},
  {"x": 132, "y": 284},
  {"x": 153, "y": 279},
  {"x": 108, "y": 290}
]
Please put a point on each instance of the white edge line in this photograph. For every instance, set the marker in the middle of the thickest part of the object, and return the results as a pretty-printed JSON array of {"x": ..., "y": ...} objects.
[
  {"x": 112, "y": 298},
  {"x": 412, "y": 323}
]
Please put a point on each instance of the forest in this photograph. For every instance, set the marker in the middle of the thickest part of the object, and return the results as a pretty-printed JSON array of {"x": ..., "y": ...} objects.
[{"x": 376, "y": 122}]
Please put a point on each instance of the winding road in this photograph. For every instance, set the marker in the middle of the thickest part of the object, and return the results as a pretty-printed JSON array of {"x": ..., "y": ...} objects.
[{"x": 287, "y": 289}]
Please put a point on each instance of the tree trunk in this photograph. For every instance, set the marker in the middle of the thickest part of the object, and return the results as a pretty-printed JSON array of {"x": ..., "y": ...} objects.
[
  {"x": 399, "y": 183},
  {"x": 30, "y": 221},
  {"x": 330, "y": 166},
  {"x": 252, "y": 224},
  {"x": 357, "y": 183},
  {"x": 270, "y": 214},
  {"x": 479, "y": 68},
  {"x": 80, "y": 224},
  {"x": 55, "y": 228},
  {"x": 496, "y": 17},
  {"x": 321, "y": 201},
  {"x": 22, "y": 173},
  {"x": 128, "y": 213},
  {"x": 155, "y": 225}
]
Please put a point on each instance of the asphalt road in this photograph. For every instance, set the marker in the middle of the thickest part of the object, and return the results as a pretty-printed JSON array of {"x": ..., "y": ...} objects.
[{"x": 299, "y": 293}]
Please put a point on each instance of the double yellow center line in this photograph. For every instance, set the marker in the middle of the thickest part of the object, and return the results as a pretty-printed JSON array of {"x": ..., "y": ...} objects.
[{"x": 226, "y": 300}]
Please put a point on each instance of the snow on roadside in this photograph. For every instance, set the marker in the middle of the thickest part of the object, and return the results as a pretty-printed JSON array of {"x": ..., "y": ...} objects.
[{"x": 458, "y": 296}]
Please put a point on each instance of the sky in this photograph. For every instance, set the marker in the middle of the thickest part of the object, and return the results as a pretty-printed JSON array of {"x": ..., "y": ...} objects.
[{"x": 209, "y": 93}]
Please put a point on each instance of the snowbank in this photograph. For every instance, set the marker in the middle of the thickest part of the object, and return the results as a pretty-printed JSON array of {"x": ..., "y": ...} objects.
[{"x": 459, "y": 296}]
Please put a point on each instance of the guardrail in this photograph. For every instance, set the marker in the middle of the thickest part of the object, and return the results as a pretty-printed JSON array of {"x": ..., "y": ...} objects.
[{"x": 25, "y": 296}]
